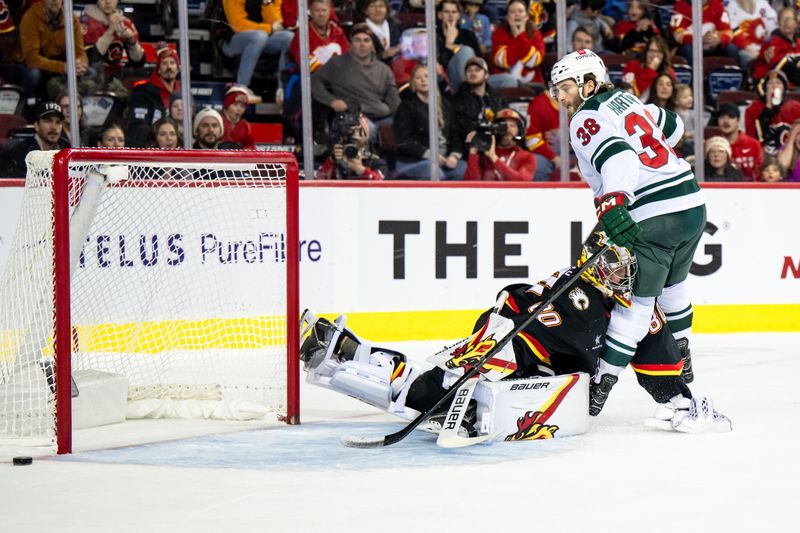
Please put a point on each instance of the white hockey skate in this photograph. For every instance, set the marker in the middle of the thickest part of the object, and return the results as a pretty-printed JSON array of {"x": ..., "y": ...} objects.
[{"x": 689, "y": 416}]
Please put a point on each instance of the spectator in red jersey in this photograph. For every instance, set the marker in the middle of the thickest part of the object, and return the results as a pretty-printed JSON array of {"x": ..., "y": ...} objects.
[
  {"x": 654, "y": 61},
  {"x": 752, "y": 22},
  {"x": 505, "y": 159},
  {"x": 112, "y": 43},
  {"x": 746, "y": 152},
  {"x": 517, "y": 48},
  {"x": 634, "y": 33},
  {"x": 289, "y": 14},
  {"x": 780, "y": 51},
  {"x": 325, "y": 38},
  {"x": 789, "y": 154},
  {"x": 541, "y": 138},
  {"x": 236, "y": 128},
  {"x": 354, "y": 160},
  {"x": 149, "y": 101},
  {"x": 768, "y": 119},
  {"x": 771, "y": 171},
  {"x": 717, "y": 34},
  {"x": 719, "y": 166}
]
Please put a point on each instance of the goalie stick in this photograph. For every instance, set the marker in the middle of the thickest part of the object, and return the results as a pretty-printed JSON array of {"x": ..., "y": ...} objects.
[{"x": 394, "y": 438}]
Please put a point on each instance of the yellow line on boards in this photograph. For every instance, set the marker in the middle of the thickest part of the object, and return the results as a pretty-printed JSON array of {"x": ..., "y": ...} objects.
[
  {"x": 746, "y": 318},
  {"x": 433, "y": 325},
  {"x": 254, "y": 333}
]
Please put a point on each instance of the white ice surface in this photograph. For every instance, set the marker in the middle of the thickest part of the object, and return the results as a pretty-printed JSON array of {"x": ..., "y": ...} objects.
[{"x": 272, "y": 478}]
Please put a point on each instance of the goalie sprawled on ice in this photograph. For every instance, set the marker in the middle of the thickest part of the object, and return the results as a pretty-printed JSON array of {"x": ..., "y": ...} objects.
[{"x": 536, "y": 386}]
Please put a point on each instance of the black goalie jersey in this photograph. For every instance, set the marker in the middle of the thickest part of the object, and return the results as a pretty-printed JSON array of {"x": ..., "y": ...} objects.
[{"x": 568, "y": 335}]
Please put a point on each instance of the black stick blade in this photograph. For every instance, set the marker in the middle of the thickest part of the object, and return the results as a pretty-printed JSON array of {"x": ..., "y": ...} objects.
[{"x": 363, "y": 442}]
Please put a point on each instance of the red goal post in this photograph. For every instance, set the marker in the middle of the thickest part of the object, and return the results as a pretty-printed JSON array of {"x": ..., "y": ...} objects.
[{"x": 206, "y": 313}]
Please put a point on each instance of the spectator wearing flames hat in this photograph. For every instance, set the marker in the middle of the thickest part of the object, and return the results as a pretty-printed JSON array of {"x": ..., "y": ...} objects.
[
  {"x": 109, "y": 37},
  {"x": 505, "y": 160},
  {"x": 236, "y": 128},
  {"x": 149, "y": 101}
]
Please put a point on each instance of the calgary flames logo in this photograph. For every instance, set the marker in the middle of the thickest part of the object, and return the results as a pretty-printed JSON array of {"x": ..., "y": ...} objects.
[
  {"x": 530, "y": 427},
  {"x": 6, "y": 22},
  {"x": 469, "y": 354}
]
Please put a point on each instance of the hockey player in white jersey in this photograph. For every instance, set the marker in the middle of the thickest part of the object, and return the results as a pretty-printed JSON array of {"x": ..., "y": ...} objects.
[{"x": 647, "y": 199}]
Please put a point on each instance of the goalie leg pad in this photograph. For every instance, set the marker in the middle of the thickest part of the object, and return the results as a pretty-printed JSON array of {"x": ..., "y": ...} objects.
[
  {"x": 540, "y": 407},
  {"x": 337, "y": 359}
]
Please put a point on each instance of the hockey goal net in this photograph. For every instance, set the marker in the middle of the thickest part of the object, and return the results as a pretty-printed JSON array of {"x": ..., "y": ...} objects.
[{"x": 173, "y": 270}]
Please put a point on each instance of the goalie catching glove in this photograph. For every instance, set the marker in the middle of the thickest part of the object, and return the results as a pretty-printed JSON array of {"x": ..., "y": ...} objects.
[{"x": 612, "y": 212}]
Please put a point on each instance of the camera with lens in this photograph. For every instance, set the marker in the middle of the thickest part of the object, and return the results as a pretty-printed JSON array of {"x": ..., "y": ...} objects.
[
  {"x": 342, "y": 132},
  {"x": 482, "y": 140}
]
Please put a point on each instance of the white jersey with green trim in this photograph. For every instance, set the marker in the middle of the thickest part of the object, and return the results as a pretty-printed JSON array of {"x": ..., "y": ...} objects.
[{"x": 625, "y": 146}]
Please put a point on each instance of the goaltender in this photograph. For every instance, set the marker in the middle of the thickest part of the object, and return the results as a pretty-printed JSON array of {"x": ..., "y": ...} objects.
[{"x": 565, "y": 339}]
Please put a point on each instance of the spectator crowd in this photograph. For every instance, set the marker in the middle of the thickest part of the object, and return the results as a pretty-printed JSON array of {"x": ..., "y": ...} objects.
[{"x": 370, "y": 82}]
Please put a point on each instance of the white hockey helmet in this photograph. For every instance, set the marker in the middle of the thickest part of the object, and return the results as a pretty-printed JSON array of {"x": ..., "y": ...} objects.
[{"x": 575, "y": 66}]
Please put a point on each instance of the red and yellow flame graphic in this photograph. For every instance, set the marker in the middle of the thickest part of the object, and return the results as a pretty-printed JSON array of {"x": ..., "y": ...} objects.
[
  {"x": 467, "y": 355},
  {"x": 531, "y": 426}
]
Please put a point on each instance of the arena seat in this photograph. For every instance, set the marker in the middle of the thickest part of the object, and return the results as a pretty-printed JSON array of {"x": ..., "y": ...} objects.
[
  {"x": 10, "y": 122},
  {"x": 737, "y": 97}
]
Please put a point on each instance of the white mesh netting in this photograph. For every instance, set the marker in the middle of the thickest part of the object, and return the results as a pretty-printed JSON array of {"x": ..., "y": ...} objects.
[{"x": 178, "y": 283}]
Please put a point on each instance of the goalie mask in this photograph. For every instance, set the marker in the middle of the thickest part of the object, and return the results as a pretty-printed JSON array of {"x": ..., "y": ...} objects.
[{"x": 612, "y": 273}]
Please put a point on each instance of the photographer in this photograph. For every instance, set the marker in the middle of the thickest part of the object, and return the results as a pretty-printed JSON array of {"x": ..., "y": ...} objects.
[
  {"x": 475, "y": 99},
  {"x": 495, "y": 153},
  {"x": 357, "y": 78},
  {"x": 351, "y": 157}
]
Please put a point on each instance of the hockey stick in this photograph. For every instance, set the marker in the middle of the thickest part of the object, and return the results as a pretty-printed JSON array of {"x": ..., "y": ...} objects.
[{"x": 394, "y": 438}]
